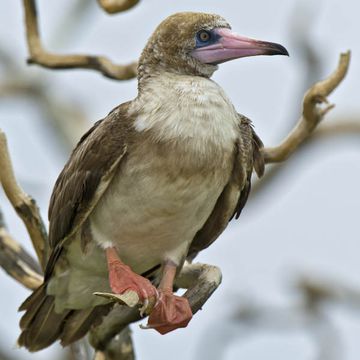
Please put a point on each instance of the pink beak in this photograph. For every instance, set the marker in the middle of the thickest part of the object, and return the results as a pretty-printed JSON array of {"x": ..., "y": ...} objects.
[{"x": 233, "y": 46}]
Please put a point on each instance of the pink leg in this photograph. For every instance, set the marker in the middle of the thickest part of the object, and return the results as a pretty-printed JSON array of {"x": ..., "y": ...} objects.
[
  {"x": 171, "y": 311},
  {"x": 123, "y": 279}
]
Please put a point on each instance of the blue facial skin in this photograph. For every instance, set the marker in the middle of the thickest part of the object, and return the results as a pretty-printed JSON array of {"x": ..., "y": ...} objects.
[{"x": 213, "y": 38}]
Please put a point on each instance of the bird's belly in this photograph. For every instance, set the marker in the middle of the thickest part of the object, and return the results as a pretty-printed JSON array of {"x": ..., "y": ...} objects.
[{"x": 151, "y": 216}]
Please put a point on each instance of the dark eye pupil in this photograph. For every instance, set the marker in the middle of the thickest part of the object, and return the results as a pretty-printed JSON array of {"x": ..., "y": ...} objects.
[{"x": 204, "y": 36}]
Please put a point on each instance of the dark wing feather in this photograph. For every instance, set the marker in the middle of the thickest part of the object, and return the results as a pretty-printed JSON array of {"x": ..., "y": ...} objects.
[
  {"x": 250, "y": 153},
  {"x": 85, "y": 177},
  {"x": 247, "y": 156}
]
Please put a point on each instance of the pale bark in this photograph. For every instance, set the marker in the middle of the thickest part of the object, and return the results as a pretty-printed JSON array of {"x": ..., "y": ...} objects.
[{"x": 40, "y": 56}]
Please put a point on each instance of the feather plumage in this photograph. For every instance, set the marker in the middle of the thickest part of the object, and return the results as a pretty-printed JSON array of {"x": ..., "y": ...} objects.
[{"x": 181, "y": 145}]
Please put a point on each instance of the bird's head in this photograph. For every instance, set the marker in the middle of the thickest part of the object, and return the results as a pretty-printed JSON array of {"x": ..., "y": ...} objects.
[{"x": 195, "y": 43}]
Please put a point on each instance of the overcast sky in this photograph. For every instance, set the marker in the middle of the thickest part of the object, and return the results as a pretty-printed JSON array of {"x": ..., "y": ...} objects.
[{"x": 307, "y": 221}]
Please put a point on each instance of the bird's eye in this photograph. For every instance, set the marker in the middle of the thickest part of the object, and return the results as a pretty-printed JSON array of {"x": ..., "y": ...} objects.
[{"x": 203, "y": 36}]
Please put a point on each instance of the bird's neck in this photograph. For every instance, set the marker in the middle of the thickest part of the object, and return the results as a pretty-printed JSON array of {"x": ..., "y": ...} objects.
[{"x": 180, "y": 108}]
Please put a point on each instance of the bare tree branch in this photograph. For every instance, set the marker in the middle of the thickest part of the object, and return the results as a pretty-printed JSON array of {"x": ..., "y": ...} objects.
[
  {"x": 116, "y": 6},
  {"x": 15, "y": 260},
  {"x": 40, "y": 56},
  {"x": 78, "y": 351},
  {"x": 117, "y": 319},
  {"x": 317, "y": 289},
  {"x": 201, "y": 280},
  {"x": 312, "y": 113},
  {"x": 24, "y": 205},
  {"x": 120, "y": 347},
  {"x": 342, "y": 126}
]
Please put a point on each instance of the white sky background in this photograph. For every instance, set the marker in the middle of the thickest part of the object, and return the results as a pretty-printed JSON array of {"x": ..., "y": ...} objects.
[{"x": 307, "y": 221}]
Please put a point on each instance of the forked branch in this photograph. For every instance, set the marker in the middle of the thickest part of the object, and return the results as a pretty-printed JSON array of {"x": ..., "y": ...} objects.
[
  {"x": 312, "y": 113},
  {"x": 40, "y": 56}
]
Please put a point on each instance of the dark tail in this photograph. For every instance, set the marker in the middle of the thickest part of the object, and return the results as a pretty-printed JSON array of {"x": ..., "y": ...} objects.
[{"x": 41, "y": 325}]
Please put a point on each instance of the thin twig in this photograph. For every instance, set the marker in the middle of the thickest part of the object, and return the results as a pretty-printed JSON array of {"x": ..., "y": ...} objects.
[
  {"x": 116, "y": 6},
  {"x": 24, "y": 205},
  {"x": 38, "y": 55},
  {"x": 312, "y": 113}
]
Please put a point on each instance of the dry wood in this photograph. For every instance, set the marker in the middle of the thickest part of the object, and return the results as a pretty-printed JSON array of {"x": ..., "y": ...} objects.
[
  {"x": 312, "y": 113},
  {"x": 23, "y": 204},
  {"x": 116, "y": 6},
  {"x": 201, "y": 280},
  {"x": 40, "y": 56},
  {"x": 15, "y": 260}
]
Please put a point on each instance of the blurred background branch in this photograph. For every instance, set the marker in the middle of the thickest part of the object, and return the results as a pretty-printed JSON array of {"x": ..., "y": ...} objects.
[
  {"x": 116, "y": 6},
  {"x": 38, "y": 55},
  {"x": 307, "y": 314},
  {"x": 312, "y": 114}
]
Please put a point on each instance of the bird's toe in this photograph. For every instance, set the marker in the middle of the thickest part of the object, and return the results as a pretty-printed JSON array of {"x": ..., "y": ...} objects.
[{"x": 170, "y": 312}]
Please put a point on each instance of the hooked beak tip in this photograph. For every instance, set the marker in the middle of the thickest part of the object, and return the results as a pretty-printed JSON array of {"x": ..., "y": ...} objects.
[{"x": 277, "y": 49}]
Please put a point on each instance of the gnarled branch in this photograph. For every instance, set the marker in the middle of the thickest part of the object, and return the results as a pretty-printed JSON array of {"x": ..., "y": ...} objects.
[
  {"x": 312, "y": 113},
  {"x": 23, "y": 204},
  {"x": 38, "y": 55}
]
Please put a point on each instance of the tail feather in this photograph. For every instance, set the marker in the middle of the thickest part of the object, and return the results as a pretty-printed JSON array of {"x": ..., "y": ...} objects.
[
  {"x": 41, "y": 325},
  {"x": 31, "y": 305},
  {"x": 80, "y": 321}
]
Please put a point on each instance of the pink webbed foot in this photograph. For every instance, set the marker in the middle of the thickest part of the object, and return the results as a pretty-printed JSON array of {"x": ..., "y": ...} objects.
[
  {"x": 170, "y": 312},
  {"x": 122, "y": 279}
]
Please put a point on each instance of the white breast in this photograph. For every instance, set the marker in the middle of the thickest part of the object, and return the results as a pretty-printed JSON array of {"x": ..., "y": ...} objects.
[
  {"x": 153, "y": 209},
  {"x": 181, "y": 107}
]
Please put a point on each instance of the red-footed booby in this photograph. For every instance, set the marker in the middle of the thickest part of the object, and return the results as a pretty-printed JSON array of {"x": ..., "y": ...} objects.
[{"x": 149, "y": 186}]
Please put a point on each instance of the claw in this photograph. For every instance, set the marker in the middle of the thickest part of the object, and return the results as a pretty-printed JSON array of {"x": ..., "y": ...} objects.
[
  {"x": 144, "y": 307},
  {"x": 129, "y": 298},
  {"x": 145, "y": 327}
]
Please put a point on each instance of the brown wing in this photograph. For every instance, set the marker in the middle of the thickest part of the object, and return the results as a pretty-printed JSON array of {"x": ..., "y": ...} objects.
[
  {"x": 85, "y": 177},
  {"x": 247, "y": 157}
]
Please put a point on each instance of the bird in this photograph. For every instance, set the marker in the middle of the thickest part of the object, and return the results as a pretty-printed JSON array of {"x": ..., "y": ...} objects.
[{"x": 149, "y": 186}]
